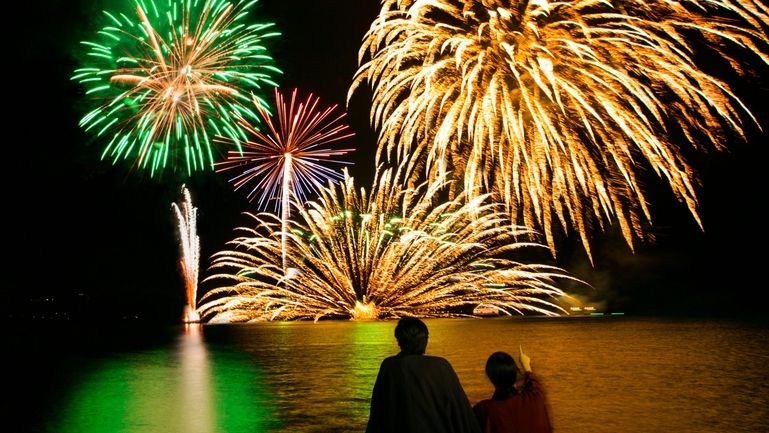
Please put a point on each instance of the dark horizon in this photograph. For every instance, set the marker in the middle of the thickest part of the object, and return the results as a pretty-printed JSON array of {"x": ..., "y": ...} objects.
[{"x": 81, "y": 226}]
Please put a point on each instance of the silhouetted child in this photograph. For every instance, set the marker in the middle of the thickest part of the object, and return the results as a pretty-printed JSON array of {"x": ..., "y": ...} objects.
[{"x": 510, "y": 410}]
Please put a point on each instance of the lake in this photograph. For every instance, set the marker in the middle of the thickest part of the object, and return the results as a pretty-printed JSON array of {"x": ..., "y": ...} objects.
[{"x": 601, "y": 374}]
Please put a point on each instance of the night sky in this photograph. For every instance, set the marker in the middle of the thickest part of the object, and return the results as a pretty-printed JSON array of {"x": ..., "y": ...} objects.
[{"x": 101, "y": 241}]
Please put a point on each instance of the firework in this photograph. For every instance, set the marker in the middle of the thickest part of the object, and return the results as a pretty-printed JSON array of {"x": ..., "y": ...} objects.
[
  {"x": 552, "y": 105},
  {"x": 288, "y": 157},
  {"x": 287, "y": 160},
  {"x": 390, "y": 253},
  {"x": 168, "y": 76},
  {"x": 190, "y": 243}
]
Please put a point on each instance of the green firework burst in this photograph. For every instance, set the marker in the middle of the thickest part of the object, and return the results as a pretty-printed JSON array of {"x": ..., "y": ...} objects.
[{"x": 169, "y": 75}]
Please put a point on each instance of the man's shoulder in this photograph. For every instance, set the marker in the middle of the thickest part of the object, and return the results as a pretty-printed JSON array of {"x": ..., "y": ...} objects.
[
  {"x": 418, "y": 362},
  {"x": 437, "y": 360},
  {"x": 421, "y": 359}
]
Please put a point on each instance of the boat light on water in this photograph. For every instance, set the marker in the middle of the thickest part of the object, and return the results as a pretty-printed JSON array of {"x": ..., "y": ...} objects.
[{"x": 484, "y": 310}]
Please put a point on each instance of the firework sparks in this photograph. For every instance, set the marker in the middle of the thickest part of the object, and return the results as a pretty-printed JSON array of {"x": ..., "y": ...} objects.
[
  {"x": 289, "y": 153},
  {"x": 287, "y": 160},
  {"x": 166, "y": 83},
  {"x": 391, "y": 253},
  {"x": 190, "y": 243},
  {"x": 551, "y": 105}
]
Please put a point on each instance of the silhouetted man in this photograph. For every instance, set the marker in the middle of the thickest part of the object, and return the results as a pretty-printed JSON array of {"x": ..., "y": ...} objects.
[{"x": 418, "y": 393}]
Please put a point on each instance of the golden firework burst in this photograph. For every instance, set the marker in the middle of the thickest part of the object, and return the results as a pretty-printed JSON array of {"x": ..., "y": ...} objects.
[
  {"x": 551, "y": 106},
  {"x": 391, "y": 253}
]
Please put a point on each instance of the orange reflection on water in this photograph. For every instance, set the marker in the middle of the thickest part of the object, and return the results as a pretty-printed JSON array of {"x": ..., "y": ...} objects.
[{"x": 198, "y": 415}]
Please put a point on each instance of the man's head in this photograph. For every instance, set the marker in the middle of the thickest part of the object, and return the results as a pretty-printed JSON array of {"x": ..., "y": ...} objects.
[
  {"x": 501, "y": 370},
  {"x": 411, "y": 334}
]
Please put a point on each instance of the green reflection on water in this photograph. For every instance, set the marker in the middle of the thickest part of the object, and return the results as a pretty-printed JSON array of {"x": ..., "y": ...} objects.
[
  {"x": 371, "y": 342},
  {"x": 242, "y": 399},
  {"x": 185, "y": 389}
]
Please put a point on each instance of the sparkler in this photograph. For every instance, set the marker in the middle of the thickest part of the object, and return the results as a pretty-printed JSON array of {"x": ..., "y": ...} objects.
[
  {"x": 166, "y": 83},
  {"x": 390, "y": 253},
  {"x": 287, "y": 160},
  {"x": 552, "y": 105},
  {"x": 190, "y": 243}
]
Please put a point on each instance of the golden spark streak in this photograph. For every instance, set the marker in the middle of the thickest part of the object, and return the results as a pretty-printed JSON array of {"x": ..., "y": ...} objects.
[{"x": 190, "y": 243}]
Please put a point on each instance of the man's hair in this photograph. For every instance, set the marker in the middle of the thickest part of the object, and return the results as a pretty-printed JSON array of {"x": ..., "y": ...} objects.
[
  {"x": 502, "y": 370},
  {"x": 411, "y": 334}
]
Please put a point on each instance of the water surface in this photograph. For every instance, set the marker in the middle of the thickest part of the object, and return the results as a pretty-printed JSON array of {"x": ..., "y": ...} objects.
[{"x": 601, "y": 374}]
